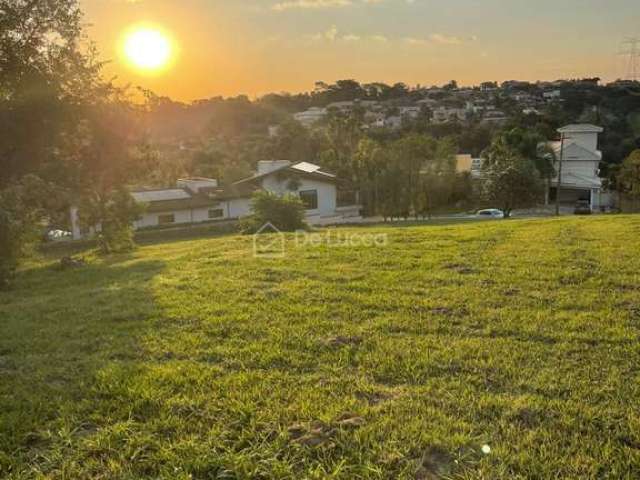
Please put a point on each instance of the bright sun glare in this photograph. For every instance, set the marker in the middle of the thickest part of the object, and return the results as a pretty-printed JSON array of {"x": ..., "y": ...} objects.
[{"x": 147, "y": 49}]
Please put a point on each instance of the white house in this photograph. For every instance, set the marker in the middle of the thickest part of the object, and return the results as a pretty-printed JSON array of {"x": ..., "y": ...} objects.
[
  {"x": 194, "y": 200},
  {"x": 316, "y": 187},
  {"x": 198, "y": 200},
  {"x": 311, "y": 116},
  {"x": 444, "y": 114},
  {"x": 552, "y": 95},
  {"x": 494, "y": 116},
  {"x": 578, "y": 152},
  {"x": 412, "y": 112}
]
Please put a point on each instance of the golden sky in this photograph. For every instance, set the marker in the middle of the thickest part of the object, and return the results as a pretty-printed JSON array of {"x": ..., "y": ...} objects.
[{"x": 252, "y": 47}]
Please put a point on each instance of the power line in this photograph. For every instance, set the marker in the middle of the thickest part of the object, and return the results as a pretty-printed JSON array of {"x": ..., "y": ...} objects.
[{"x": 631, "y": 50}]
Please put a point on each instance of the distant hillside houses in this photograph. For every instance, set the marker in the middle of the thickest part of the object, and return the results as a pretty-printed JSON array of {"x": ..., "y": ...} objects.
[
  {"x": 437, "y": 106},
  {"x": 488, "y": 103},
  {"x": 311, "y": 116}
]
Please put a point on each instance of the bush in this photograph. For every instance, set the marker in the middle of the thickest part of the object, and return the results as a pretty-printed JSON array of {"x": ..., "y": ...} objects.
[
  {"x": 112, "y": 214},
  {"x": 9, "y": 249},
  {"x": 22, "y": 209},
  {"x": 286, "y": 213},
  {"x": 116, "y": 239}
]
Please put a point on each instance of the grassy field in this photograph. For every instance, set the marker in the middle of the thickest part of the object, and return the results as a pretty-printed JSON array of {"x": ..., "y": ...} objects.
[{"x": 193, "y": 359}]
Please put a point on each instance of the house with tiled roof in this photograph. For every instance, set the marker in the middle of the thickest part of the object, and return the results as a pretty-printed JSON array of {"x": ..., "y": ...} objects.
[{"x": 199, "y": 200}]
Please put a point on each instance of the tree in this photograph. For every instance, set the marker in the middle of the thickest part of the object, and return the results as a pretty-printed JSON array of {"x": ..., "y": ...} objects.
[
  {"x": 112, "y": 214},
  {"x": 438, "y": 181},
  {"x": 369, "y": 161},
  {"x": 416, "y": 157},
  {"x": 292, "y": 142},
  {"x": 342, "y": 137},
  {"x": 629, "y": 176},
  {"x": 48, "y": 76},
  {"x": 23, "y": 206},
  {"x": 10, "y": 246},
  {"x": 61, "y": 121},
  {"x": 510, "y": 181}
]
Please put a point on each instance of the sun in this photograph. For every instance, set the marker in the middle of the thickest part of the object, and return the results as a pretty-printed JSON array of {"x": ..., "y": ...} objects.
[{"x": 148, "y": 49}]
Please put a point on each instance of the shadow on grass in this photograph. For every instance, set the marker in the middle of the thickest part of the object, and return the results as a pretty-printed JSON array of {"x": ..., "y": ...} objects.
[{"x": 57, "y": 330}]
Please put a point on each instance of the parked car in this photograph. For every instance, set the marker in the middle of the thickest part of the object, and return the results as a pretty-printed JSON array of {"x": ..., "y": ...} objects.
[
  {"x": 58, "y": 235},
  {"x": 490, "y": 213},
  {"x": 582, "y": 207}
]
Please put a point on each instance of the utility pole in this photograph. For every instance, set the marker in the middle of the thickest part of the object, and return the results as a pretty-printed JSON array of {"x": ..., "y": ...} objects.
[
  {"x": 559, "y": 174},
  {"x": 631, "y": 49}
]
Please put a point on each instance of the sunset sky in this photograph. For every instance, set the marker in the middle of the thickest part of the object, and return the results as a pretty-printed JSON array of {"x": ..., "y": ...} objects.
[{"x": 230, "y": 47}]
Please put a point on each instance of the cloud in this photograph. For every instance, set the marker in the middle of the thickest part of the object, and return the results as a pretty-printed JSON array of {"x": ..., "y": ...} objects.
[
  {"x": 379, "y": 38},
  {"x": 313, "y": 4},
  {"x": 318, "y": 4},
  {"x": 414, "y": 41},
  {"x": 445, "y": 39},
  {"x": 439, "y": 39},
  {"x": 331, "y": 34}
]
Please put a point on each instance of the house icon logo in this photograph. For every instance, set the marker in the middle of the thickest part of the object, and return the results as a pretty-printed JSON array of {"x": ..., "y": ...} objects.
[{"x": 268, "y": 242}]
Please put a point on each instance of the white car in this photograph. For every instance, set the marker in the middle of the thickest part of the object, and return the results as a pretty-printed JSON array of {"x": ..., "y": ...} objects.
[
  {"x": 490, "y": 213},
  {"x": 58, "y": 235}
]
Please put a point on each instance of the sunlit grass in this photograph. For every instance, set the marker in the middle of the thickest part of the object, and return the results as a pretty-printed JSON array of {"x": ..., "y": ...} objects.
[{"x": 489, "y": 350}]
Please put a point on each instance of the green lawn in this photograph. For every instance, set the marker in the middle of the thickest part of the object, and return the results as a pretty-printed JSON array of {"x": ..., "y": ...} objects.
[{"x": 193, "y": 359}]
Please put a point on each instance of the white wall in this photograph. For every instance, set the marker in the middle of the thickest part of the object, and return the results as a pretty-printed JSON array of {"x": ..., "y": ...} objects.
[
  {"x": 238, "y": 207},
  {"x": 235, "y": 208},
  {"x": 583, "y": 168},
  {"x": 327, "y": 193},
  {"x": 202, "y": 214},
  {"x": 151, "y": 219},
  {"x": 586, "y": 140},
  {"x": 575, "y": 163}
]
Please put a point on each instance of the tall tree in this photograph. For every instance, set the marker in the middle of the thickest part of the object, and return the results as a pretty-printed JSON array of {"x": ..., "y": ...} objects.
[
  {"x": 629, "y": 176},
  {"x": 342, "y": 136},
  {"x": 510, "y": 180},
  {"x": 22, "y": 206},
  {"x": 369, "y": 162},
  {"x": 48, "y": 73}
]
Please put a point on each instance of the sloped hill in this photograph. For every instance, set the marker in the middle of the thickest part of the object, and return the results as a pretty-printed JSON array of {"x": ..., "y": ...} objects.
[{"x": 400, "y": 357}]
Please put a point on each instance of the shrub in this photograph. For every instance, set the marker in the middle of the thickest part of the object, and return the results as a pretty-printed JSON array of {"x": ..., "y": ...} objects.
[
  {"x": 9, "y": 248},
  {"x": 286, "y": 213},
  {"x": 112, "y": 214},
  {"x": 22, "y": 210},
  {"x": 629, "y": 175}
]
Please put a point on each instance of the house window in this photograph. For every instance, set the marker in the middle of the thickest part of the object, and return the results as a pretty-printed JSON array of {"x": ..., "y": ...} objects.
[
  {"x": 309, "y": 199},
  {"x": 166, "y": 219},
  {"x": 216, "y": 213}
]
